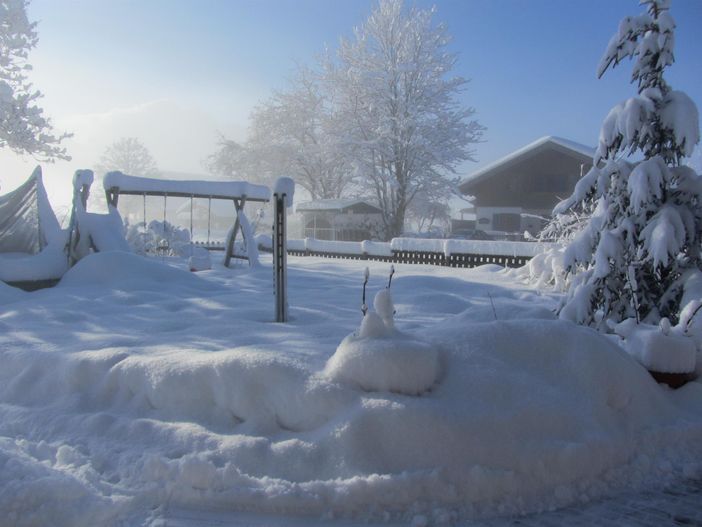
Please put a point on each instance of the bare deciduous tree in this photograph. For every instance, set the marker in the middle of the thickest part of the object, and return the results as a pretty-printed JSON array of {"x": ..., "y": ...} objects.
[
  {"x": 398, "y": 113},
  {"x": 228, "y": 161},
  {"x": 291, "y": 133}
]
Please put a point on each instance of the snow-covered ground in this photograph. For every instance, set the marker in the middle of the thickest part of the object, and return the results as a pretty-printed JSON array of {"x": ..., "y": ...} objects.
[{"x": 134, "y": 389}]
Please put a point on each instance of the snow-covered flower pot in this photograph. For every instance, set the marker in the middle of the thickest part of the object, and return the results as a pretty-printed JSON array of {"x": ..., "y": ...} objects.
[
  {"x": 667, "y": 354},
  {"x": 378, "y": 357},
  {"x": 674, "y": 380}
]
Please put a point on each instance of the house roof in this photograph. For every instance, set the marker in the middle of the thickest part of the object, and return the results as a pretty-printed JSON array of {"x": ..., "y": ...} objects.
[
  {"x": 331, "y": 205},
  {"x": 545, "y": 143}
]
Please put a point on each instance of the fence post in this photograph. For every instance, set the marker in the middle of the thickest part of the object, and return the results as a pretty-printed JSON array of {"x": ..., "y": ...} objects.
[{"x": 282, "y": 198}]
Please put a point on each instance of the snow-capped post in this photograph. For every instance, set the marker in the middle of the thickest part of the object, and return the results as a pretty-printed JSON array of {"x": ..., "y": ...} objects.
[
  {"x": 282, "y": 199},
  {"x": 392, "y": 272}
]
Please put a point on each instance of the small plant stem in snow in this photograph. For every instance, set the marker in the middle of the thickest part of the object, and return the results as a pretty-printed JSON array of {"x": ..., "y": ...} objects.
[
  {"x": 494, "y": 312},
  {"x": 364, "y": 306}
]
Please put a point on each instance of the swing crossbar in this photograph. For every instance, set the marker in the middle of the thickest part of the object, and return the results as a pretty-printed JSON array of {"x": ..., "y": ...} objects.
[
  {"x": 158, "y": 193},
  {"x": 116, "y": 184}
]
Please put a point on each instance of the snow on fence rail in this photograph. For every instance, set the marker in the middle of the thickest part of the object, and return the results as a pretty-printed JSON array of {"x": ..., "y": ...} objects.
[{"x": 450, "y": 253}]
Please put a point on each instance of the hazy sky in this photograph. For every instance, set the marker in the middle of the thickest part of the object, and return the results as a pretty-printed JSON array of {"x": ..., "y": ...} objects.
[{"x": 174, "y": 72}]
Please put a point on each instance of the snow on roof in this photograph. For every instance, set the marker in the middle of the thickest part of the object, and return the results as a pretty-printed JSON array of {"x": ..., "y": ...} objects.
[
  {"x": 185, "y": 188},
  {"x": 531, "y": 148},
  {"x": 330, "y": 204}
]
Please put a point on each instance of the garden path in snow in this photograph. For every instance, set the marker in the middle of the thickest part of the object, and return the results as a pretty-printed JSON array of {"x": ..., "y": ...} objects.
[{"x": 134, "y": 386}]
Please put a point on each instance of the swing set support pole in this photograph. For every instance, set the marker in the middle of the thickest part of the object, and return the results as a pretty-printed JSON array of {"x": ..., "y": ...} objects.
[{"x": 280, "y": 253}]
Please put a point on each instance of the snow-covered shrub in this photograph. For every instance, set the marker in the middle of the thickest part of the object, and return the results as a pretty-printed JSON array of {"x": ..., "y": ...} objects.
[
  {"x": 545, "y": 270},
  {"x": 168, "y": 240},
  {"x": 641, "y": 221}
]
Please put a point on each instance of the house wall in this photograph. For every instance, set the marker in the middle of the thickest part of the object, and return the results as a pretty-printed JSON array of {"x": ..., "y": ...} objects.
[
  {"x": 536, "y": 183},
  {"x": 515, "y": 198}
]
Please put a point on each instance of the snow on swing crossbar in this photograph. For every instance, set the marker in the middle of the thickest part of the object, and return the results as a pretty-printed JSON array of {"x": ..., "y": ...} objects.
[{"x": 239, "y": 192}]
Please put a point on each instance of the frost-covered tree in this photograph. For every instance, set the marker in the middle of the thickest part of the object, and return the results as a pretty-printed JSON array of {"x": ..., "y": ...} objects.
[
  {"x": 642, "y": 221},
  {"x": 429, "y": 210},
  {"x": 429, "y": 215},
  {"x": 129, "y": 156},
  {"x": 24, "y": 128},
  {"x": 398, "y": 112},
  {"x": 290, "y": 133},
  {"x": 228, "y": 160}
]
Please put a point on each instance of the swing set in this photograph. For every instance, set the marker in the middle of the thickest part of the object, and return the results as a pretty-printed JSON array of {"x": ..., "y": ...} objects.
[{"x": 238, "y": 192}]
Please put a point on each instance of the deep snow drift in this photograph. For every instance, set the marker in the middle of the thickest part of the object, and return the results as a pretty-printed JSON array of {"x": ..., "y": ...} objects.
[{"x": 135, "y": 387}]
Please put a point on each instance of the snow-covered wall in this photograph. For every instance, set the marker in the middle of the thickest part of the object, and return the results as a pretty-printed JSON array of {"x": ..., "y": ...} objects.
[{"x": 447, "y": 247}]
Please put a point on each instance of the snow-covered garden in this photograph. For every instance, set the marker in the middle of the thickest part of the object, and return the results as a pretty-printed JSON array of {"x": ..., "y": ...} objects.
[
  {"x": 152, "y": 382},
  {"x": 135, "y": 388}
]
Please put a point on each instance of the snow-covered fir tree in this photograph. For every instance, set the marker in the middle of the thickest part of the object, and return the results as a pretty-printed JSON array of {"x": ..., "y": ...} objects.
[
  {"x": 23, "y": 126},
  {"x": 641, "y": 221}
]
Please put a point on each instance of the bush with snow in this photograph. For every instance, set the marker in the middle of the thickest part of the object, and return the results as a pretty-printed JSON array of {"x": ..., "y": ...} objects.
[
  {"x": 545, "y": 270},
  {"x": 641, "y": 221},
  {"x": 158, "y": 238}
]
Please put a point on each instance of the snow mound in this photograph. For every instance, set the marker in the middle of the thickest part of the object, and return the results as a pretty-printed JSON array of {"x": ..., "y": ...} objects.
[
  {"x": 397, "y": 363},
  {"x": 117, "y": 406},
  {"x": 122, "y": 270},
  {"x": 200, "y": 260},
  {"x": 36, "y": 490},
  {"x": 9, "y": 294}
]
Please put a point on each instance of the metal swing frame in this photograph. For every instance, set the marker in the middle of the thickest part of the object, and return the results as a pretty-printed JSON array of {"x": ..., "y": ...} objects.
[{"x": 113, "y": 194}]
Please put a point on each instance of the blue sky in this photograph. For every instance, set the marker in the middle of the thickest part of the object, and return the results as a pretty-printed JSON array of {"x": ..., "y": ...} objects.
[{"x": 173, "y": 72}]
